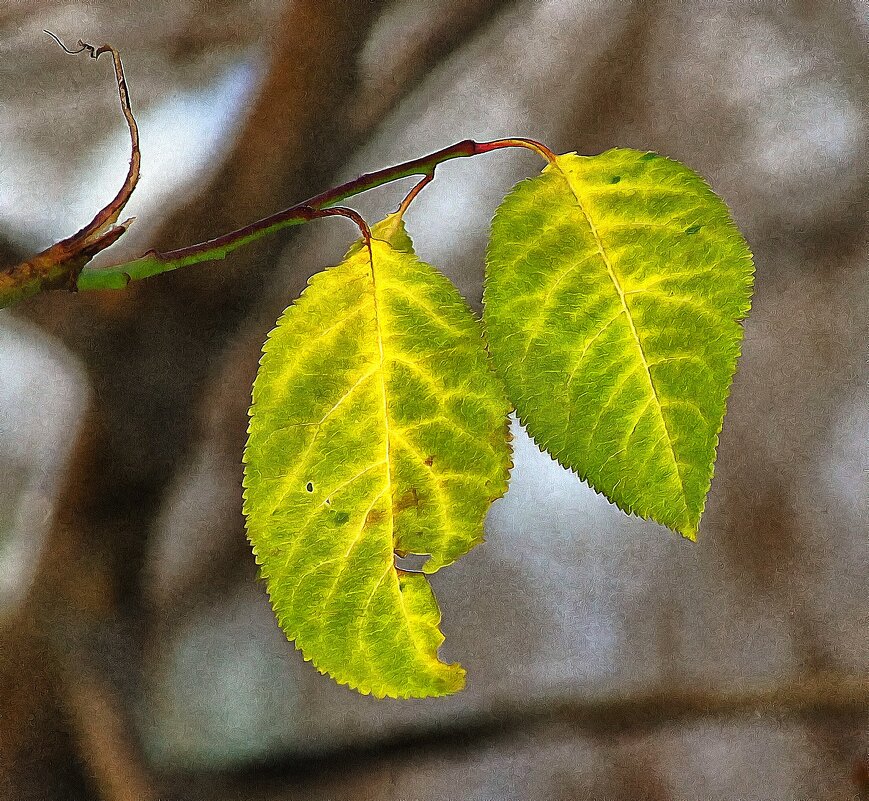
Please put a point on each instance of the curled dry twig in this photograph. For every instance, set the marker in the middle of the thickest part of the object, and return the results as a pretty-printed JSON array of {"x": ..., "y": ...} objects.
[{"x": 58, "y": 266}]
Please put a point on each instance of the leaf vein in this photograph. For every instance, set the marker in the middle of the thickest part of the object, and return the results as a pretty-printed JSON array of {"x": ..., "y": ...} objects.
[{"x": 617, "y": 284}]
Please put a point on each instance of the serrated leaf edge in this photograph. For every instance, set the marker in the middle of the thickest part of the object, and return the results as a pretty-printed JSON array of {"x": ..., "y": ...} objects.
[
  {"x": 497, "y": 491},
  {"x": 529, "y": 426}
]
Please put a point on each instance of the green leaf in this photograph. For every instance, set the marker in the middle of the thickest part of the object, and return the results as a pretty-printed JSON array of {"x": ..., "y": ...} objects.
[
  {"x": 377, "y": 428},
  {"x": 614, "y": 289}
]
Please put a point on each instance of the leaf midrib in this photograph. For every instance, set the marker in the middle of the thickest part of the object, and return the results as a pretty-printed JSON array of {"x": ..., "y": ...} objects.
[
  {"x": 626, "y": 309},
  {"x": 385, "y": 402},
  {"x": 381, "y": 349}
]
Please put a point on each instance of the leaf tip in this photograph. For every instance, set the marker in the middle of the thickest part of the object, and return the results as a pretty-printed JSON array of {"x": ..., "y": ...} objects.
[{"x": 689, "y": 533}]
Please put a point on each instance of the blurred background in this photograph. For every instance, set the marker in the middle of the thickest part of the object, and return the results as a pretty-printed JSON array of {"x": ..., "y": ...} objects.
[{"x": 606, "y": 658}]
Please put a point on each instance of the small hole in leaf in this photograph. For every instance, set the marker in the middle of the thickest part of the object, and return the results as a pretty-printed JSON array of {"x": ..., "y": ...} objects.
[
  {"x": 615, "y": 179},
  {"x": 693, "y": 229},
  {"x": 309, "y": 486},
  {"x": 411, "y": 562}
]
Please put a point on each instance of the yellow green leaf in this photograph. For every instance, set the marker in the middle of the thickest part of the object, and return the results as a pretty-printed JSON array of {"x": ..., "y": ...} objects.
[
  {"x": 614, "y": 289},
  {"x": 377, "y": 429}
]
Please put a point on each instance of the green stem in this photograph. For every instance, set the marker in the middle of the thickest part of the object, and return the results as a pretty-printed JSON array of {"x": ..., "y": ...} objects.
[{"x": 117, "y": 276}]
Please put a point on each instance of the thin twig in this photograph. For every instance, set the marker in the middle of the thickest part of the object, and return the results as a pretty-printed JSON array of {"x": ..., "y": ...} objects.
[
  {"x": 109, "y": 215},
  {"x": 117, "y": 276},
  {"x": 59, "y": 266}
]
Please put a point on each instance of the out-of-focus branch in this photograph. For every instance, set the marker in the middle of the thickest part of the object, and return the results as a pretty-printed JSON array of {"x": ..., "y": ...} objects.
[
  {"x": 453, "y": 29},
  {"x": 618, "y": 80},
  {"x": 823, "y": 697},
  {"x": 293, "y": 141},
  {"x": 9, "y": 253},
  {"x": 101, "y": 725}
]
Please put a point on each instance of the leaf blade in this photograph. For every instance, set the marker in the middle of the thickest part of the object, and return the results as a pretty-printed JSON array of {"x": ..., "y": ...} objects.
[
  {"x": 618, "y": 282},
  {"x": 364, "y": 410}
]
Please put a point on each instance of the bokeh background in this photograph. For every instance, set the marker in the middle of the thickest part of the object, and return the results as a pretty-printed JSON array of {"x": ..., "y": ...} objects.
[{"x": 607, "y": 658}]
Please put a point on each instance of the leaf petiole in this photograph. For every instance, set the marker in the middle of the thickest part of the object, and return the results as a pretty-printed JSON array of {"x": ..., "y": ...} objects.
[{"x": 409, "y": 198}]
